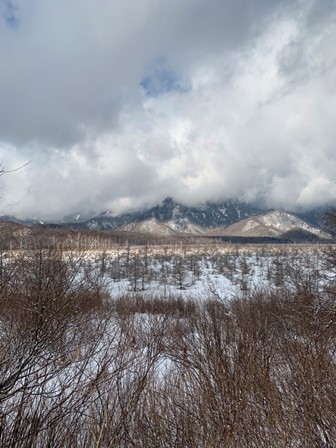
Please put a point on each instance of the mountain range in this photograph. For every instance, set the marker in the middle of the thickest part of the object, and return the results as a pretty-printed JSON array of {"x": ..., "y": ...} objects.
[
  {"x": 181, "y": 217},
  {"x": 230, "y": 218}
]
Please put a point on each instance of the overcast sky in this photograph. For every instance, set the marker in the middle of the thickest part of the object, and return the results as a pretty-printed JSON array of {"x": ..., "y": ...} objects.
[{"x": 120, "y": 103}]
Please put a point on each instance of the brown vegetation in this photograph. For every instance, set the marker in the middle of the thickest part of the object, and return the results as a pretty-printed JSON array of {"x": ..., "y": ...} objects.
[{"x": 79, "y": 368}]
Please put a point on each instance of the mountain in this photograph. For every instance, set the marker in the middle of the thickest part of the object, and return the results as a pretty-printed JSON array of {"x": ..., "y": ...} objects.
[
  {"x": 206, "y": 215},
  {"x": 30, "y": 221},
  {"x": 150, "y": 226},
  {"x": 230, "y": 218},
  {"x": 276, "y": 223},
  {"x": 107, "y": 221},
  {"x": 180, "y": 217},
  {"x": 169, "y": 228}
]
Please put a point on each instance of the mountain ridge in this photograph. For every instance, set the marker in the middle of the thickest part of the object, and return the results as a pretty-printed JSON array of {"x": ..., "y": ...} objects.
[
  {"x": 171, "y": 217},
  {"x": 206, "y": 215},
  {"x": 276, "y": 223}
]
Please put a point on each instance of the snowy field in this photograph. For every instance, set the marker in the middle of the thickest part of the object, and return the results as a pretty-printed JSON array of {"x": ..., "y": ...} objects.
[{"x": 200, "y": 273}]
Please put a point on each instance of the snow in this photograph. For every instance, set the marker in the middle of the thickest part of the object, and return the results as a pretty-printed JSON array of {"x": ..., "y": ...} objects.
[
  {"x": 184, "y": 225},
  {"x": 152, "y": 226},
  {"x": 200, "y": 274},
  {"x": 223, "y": 210},
  {"x": 251, "y": 224},
  {"x": 285, "y": 222}
]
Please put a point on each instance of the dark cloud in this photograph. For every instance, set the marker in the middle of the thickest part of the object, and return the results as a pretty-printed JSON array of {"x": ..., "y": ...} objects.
[{"x": 321, "y": 11}]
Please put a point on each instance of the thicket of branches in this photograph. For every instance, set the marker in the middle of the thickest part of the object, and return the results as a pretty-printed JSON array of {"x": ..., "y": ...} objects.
[{"x": 79, "y": 368}]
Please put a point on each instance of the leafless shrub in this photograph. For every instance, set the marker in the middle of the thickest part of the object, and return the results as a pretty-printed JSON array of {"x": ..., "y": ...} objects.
[
  {"x": 80, "y": 368},
  {"x": 169, "y": 306}
]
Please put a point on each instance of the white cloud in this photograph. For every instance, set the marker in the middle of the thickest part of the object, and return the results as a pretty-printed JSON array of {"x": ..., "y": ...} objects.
[{"x": 247, "y": 109}]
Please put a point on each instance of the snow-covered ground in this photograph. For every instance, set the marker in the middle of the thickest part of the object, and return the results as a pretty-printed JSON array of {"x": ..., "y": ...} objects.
[{"x": 221, "y": 271}]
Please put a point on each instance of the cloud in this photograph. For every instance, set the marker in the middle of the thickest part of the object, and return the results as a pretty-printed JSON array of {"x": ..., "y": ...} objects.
[
  {"x": 8, "y": 10},
  {"x": 200, "y": 100}
]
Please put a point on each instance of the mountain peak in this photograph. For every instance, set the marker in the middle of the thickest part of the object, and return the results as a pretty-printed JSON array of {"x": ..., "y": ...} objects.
[
  {"x": 168, "y": 202},
  {"x": 168, "y": 199}
]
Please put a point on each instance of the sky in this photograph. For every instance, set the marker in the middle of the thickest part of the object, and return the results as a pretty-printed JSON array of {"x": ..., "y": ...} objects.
[{"x": 117, "y": 104}]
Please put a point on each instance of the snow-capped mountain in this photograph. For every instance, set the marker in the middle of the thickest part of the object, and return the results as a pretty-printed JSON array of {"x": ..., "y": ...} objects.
[
  {"x": 179, "y": 217},
  {"x": 228, "y": 218},
  {"x": 276, "y": 223}
]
